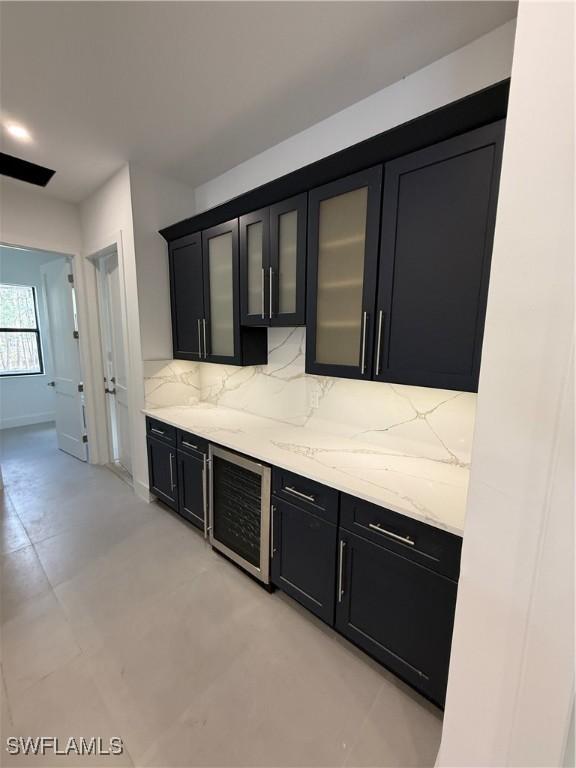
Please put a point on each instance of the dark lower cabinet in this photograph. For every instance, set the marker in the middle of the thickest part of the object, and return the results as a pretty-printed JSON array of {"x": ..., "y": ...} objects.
[
  {"x": 400, "y": 612},
  {"x": 304, "y": 557},
  {"x": 192, "y": 488},
  {"x": 162, "y": 471}
]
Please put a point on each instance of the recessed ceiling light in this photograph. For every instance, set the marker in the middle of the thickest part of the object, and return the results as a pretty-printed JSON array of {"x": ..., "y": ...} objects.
[{"x": 18, "y": 132}]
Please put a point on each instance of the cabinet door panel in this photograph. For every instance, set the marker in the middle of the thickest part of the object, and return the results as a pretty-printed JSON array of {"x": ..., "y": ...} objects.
[
  {"x": 342, "y": 267},
  {"x": 304, "y": 558},
  {"x": 162, "y": 471},
  {"x": 398, "y": 611},
  {"x": 192, "y": 488},
  {"x": 437, "y": 228},
  {"x": 254, "y": 267},
  {"x": 288, "y": 261},
  {"x": 221, "y": 292},
  {"x": 187, "y": 299}
]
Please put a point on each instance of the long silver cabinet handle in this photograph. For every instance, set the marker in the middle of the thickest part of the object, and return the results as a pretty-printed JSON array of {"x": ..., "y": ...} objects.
[
  {"x": 172, "y": 483},
  {"x": 403, "y": 539},
  {"x": 364, "y": 321},
  {"x": 272, "y": 550},
  {"x": 300, "y": 494},
  {"x": 340, "y": 571},
  {"x": 204, "y": 498},
  {"x": 199, "y": 339},
  {"x": 189, "y": 445},
  {"x": 157, "y": 431},
  {"x": 378, "y": 342},
  {"x": 204, "y": 334},
  {"x": 262, "y": 291},
  {"x": 270, "y": 289}
]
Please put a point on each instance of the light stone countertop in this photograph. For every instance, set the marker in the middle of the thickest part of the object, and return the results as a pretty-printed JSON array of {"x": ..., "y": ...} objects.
[{"x": 428, "y": 489}]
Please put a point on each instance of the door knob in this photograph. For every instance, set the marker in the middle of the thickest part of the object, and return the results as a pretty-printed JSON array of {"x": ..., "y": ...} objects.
[{"x": 110, "y": 391}]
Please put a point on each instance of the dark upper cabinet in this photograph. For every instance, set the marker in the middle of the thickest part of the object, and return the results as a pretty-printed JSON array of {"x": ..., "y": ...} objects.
[
  {"x": 205, "y": 300},
  {"x": 287, "y": 268},
  {"x": 192, "y": 487},
  {"x": 254, "y": 268},
  {"x": 438, "y": 214},
  {"x": 273, "y": 264},
  {"x": 303, "y": 557},
  {"x": 187, "y": 297},
  {"x": 162, "y": 471},
  {"x": 343, "y": 234},
  {"x": 398, "y": 611}
]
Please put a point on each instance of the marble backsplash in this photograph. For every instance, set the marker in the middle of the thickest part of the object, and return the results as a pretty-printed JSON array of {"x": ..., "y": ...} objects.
[{"x": 414, "y": 421}]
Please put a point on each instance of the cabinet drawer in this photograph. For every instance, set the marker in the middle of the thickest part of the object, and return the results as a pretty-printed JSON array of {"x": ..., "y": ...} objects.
[
  {"x": 160, "y": 430},
  {"x": 191, "y": 443},
  {"x": 307, "y": 494},
  {"x": 424, "y": 544}
]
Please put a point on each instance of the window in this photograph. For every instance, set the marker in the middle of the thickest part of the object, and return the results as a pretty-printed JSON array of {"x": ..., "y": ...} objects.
[{"x": 20, "y": 351}]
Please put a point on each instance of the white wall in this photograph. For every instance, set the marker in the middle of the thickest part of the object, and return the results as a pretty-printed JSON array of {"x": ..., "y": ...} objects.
[
  {"x": 27, "y": 399},
  {"x": 476, "y": 66},
  {"x": 511, "y": 684},
  {"x": 156, "y": 203},
  {"x": 29, "y": 216}
]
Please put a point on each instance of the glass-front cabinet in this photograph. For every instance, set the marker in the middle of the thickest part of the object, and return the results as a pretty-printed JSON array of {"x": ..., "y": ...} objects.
[
  {"x": 343, "y": 230},
  {"x": 205, "y": 298},
  {"x": 273, "y": 264}
]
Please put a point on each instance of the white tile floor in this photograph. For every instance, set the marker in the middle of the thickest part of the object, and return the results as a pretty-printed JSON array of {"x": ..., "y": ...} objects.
[{"x": 118, "y": 620}]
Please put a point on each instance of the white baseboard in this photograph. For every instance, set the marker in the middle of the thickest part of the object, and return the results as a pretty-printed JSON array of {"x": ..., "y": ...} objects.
[
  {"x": 142, "y": 491},
  {"x": 24, "y": 421}
]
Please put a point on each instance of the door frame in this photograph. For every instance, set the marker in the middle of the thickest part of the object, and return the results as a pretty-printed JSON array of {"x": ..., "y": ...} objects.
[
  {"x": 107, "y": 336},
  {"x": 86, "y": 362},
  {"x": 91, "y": 260}
]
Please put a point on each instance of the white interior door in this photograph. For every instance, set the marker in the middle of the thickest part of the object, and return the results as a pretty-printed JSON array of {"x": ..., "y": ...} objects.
[
  {"x": 114, "y": 354},
  {"x": 67, "y": 379}
]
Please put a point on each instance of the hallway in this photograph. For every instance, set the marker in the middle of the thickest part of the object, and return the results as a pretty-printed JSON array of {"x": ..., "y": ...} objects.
[{"x": 118, "y": 620}]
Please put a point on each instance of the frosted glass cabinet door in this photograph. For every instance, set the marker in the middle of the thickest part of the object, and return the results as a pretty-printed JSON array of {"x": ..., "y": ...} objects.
[
  {"x": 288, "y": 261},
  {"x": 342, "y": 268},
  {"x": 220, "y": 254},
  {"x": 254, "y": 247}
]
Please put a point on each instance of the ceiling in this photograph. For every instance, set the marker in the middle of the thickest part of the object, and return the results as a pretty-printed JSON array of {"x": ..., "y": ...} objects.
[{"x": 191, "y": 89}]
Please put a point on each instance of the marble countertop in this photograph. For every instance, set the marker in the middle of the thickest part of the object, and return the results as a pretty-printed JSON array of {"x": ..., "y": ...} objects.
[{"x": 430, "y": 490}]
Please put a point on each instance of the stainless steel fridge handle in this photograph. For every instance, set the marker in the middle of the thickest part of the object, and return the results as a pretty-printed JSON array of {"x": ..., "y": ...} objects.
[
  {"x": 199, "y": 339},
  {"x": 380, "y": 313},
  {"x": 204, "y": 334},
  {"x": 340, "y": 569},
  {"x": 364, "y": 321}
]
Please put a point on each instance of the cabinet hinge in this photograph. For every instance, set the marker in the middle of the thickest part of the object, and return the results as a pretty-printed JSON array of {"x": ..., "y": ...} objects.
[
  {"x": 80, "y": 387},
  {"x": 84, "y": 438},
  {"x": 71, "y": 279},
  {"x": 75, "y": 335}
]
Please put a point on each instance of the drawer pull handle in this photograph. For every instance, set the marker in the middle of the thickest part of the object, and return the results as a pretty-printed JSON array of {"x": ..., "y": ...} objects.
[
  {"x": 403, "y": 539},
  {"x": 272, "y": 511},
  {"x": 157, "y": 431},
  {"x": 292, "y": 490},
  {"x": 189, "y": 445},
  {"x": 340, "y": 571}
]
